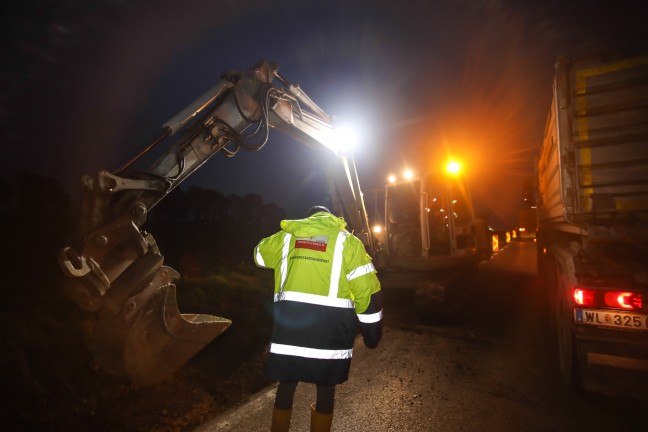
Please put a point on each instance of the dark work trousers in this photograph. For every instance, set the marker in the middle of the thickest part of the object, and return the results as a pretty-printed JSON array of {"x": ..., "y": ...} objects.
[{"x": 286, "y": 394}]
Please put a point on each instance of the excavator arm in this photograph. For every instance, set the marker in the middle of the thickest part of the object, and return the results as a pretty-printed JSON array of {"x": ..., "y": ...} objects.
[{"x": 114, "y": 269}]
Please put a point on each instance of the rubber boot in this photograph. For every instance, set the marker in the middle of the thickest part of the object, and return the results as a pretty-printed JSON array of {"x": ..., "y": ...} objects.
[
  {"x": 280, "y": 420},
  {"x": 320, "y": 422}
]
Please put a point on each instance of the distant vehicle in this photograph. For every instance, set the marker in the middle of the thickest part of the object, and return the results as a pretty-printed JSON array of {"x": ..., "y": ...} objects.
[
  {"x": 593, "y": 222},
  {"x": 527, "y": 224}
]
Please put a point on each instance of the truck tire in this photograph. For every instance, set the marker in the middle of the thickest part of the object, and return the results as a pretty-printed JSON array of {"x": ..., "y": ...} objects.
[
  {"x": 547, "y": 278},
  {"x": 567, "y": 357}
]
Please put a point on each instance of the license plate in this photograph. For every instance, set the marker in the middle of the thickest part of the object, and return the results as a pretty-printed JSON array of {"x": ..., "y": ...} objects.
[{"x": 615, "y": 319}]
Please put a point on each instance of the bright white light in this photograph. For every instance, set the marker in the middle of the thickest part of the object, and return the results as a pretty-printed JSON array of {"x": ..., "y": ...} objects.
[
  {"x": 377, "y": 229},
  {"x": 408, "y": 174},
  {"x": 391, "y": 179},
  {"x": 345, "y": 137}
]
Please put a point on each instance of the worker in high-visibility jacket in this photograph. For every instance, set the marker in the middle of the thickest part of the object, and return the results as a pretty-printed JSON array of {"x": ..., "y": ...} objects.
[{"x": 325, "y": 286}]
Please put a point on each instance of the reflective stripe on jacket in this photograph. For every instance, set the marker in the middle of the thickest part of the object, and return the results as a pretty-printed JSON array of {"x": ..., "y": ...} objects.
[{"x": 323, "y": 279}]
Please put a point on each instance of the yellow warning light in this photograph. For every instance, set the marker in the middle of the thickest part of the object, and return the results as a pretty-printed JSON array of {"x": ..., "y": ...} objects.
[
  {"x": 453, "y": 167},
  {"x": 495, "y": 243}
]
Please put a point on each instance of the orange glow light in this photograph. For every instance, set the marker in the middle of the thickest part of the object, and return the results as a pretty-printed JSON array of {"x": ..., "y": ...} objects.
[{"x": 453, "y": 167}]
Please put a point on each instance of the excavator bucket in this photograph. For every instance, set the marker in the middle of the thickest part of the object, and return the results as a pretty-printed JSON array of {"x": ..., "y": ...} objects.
[{"x": 148, "y": 338}]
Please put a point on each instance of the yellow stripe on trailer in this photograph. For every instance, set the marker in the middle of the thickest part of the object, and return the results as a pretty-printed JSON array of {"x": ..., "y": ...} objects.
[{"x": 583, "y": 126}]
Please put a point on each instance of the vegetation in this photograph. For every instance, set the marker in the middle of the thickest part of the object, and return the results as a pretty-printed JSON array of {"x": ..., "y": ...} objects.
[{"x": 49, "y": 378}]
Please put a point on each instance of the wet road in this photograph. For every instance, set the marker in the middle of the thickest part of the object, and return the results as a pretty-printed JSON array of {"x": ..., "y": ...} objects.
[{"x": 490, "y": 368}]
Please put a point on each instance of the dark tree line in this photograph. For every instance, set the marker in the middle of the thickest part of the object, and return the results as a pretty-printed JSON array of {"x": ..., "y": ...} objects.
[
  {"x": 198, "y": 230},
  {"x": 201, "y": 230},
  {"x": 35, "y": 219}
]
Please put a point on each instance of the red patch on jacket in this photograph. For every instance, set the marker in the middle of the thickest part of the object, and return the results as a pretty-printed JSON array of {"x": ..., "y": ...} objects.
[{"x": 310, "y": 244}]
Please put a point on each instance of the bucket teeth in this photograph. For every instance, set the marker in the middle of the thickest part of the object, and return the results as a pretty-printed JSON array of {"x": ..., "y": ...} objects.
[
  {"x": 143, "y": 336},
  {"x": 151, "y": 339}
]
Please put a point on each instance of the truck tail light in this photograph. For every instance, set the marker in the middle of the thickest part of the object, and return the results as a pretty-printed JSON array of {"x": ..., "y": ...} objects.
[
  {"x": 584, "y": 297},
  {"x": 624, "y": 300}
]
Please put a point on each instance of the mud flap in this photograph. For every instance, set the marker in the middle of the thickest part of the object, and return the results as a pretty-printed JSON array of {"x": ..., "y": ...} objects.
[{"x": 147, "y": 339}]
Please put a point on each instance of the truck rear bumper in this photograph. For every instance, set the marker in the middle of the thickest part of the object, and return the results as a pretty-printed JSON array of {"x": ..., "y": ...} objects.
[{"x": 613, "y": 362}]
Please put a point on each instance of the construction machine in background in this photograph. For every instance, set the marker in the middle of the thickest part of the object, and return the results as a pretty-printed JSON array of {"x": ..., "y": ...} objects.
[{"x": 430, "y": 238}]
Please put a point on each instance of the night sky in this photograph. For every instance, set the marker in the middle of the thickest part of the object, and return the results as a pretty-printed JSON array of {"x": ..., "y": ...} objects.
[{"x": 87, "y": 83}]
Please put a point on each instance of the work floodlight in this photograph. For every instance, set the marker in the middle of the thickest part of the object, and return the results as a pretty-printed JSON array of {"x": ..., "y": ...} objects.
[{"x": 345, "y": 137}]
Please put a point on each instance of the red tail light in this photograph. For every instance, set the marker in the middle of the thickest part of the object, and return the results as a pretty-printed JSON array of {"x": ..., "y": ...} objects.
[
  {"x": 625, "y": 300},
  {"x": 584, "y": 297}
]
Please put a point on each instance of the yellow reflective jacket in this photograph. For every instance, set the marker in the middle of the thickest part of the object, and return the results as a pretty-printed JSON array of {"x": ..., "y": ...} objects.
[
  {"x": 317, "y": 255},
  {"x": 324, "y": 279}
]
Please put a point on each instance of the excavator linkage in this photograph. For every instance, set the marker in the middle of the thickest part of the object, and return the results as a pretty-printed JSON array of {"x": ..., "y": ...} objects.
[{"x": 114, "y": 269}]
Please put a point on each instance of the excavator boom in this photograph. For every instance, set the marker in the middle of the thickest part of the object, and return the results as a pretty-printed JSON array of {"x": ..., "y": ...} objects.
[{"x": 115, "y": 269}]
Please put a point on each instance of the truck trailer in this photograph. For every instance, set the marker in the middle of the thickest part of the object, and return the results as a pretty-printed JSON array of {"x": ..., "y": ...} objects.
[{"x": 592, "y": 239}]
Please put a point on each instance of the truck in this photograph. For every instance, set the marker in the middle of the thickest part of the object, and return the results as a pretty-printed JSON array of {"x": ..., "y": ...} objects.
[{"x": 592, "y": 238}]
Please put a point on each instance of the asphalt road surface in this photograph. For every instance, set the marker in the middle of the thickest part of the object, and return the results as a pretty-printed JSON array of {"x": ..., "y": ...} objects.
[{"x": 490, "y": 367}]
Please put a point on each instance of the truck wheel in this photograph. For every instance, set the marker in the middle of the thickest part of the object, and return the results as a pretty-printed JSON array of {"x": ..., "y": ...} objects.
[
  {"x": 548, "y": 280},
  {"x": 566, "y": 347}
]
